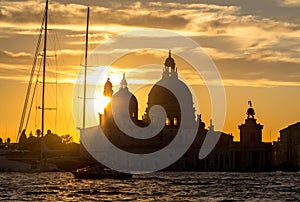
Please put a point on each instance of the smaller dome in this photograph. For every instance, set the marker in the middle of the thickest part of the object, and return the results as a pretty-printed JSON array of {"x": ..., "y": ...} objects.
[
  {"x": 170, "y": 61},
  {"x": 123, "y": 95},
  {"x": 120, "y": 99}
]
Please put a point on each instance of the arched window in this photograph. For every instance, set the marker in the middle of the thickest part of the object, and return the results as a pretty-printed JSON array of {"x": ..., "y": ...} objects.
[
  {"x": 167, "y": 121},
  {"x": 175, "y": 121}
]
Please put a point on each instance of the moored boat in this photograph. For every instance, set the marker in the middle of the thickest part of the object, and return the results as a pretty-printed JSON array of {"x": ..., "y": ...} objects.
[{"x": 99, "y": 172}]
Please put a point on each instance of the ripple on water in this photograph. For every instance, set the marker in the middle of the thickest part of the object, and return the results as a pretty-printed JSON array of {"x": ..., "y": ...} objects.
[{"x": 174, "y": 186}]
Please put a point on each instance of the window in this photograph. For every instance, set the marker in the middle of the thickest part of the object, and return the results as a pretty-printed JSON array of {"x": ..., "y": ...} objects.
[
  {"x": 167, "y": 121},
  {"x": 175, "y": 121}
]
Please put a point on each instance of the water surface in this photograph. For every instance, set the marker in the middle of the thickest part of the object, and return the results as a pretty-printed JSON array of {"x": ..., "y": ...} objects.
[{"x": 164, "y": 186}]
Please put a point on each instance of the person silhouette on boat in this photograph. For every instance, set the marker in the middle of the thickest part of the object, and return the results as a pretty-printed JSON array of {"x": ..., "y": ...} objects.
[
  {"x": 49, "y": 132},
  {"x": 38, "y": 133}
]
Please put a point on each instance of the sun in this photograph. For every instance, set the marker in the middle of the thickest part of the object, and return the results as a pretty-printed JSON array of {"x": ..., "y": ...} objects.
[{"x": 100, "y": 103}]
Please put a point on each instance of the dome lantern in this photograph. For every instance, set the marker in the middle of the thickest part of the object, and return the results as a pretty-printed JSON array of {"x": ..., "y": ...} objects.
[
  {"x": 170, "y": 69},
  {"x": 123, "y": 82},
  {"x": 169, "y": 62}
]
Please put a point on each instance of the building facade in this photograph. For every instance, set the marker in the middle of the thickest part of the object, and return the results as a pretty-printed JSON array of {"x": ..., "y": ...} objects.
[
  {"x": 286, "y": 151},
  {"x": 249, "y": 154}
]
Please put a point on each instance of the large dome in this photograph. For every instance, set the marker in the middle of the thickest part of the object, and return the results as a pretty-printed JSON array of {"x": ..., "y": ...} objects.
[{"x": 161, "y": 95}]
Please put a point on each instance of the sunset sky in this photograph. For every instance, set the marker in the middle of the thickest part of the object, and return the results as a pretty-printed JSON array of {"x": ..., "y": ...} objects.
[{"x": 255, "y": 45}]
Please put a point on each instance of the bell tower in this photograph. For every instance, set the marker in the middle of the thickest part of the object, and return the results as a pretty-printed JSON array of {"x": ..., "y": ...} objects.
[
  {"x": 108, "y": 88},
  {"x": 106, "y": 118}
]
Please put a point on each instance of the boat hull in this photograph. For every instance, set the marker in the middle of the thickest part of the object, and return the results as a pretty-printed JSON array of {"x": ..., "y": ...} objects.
[{"x": 99, "y": 172}]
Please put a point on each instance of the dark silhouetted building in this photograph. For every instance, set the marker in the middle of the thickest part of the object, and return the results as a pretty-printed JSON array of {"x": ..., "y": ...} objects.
[
  {"x": 250, "y": 154},
  {"x": 286, "y": 151}
]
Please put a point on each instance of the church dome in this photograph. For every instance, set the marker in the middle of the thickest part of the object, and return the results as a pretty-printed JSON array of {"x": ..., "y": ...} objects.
[
  {"x": 162, "y": 96},
  {"x": 123, "y": 94},
  {"x": 120, "y": 97}
]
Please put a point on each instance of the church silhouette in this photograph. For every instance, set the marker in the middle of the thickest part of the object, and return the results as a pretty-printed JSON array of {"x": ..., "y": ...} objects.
[{"x": 250, "y": 154}]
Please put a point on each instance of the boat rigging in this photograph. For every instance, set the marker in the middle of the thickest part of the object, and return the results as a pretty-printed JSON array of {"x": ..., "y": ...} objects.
[{"x": 40, "y": 77}]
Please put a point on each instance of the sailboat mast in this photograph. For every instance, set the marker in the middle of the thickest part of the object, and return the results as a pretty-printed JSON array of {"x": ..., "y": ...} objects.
[
  {"x": 85, "y": 66},
  {"x": 44, "y": 68}
]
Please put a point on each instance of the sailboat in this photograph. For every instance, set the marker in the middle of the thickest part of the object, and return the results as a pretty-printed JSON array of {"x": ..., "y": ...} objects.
[{"x": 40, "y": 164}]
